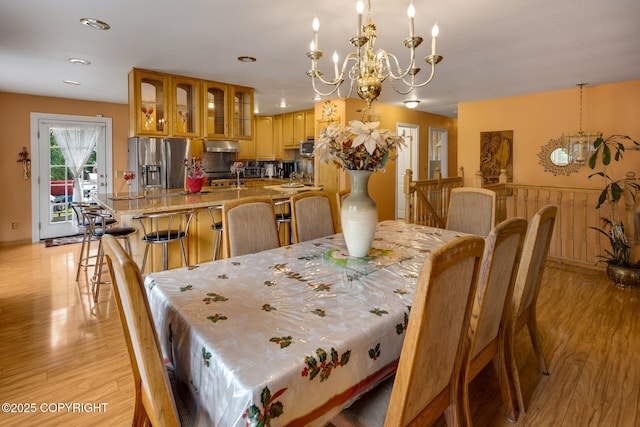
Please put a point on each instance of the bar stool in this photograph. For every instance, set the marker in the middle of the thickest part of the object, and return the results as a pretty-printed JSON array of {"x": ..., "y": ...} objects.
[
  {"x": 216, "y": 225},
  {"x": 283, "y": 216},
  {"x": 162, "y": 229},
  {"x": 97, "y": 225},
  {"x": 83, "y": 224}
]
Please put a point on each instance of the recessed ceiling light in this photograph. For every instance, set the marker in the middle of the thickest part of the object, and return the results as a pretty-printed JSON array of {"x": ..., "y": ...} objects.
[
  {"x": 96, "y": 24},
  {"x": 283, "y": 104},
  {"x": 71, "y": 82},
  {"x": 317, "y": 98},
  {"x": 246, "y": 59},
  {"x": 79, "y": 61}
]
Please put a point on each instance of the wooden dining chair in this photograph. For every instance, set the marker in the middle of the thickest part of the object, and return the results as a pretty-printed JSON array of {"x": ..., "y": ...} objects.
[
  {"x": 491, "y": 303},
  {"x": 431, "y": 370},
  {"x": 156, "y": 401},
  {"x": 311, "y": 216},
  {"x": 525, "y": 292},
  {"x": 249, "y": 226},
  {"x": 471, "y": 210}
]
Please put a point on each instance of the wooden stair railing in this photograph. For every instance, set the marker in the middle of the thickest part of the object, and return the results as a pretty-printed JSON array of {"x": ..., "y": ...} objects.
[
  {"x": 427, "y": 201},
  {"x": 573, "y": 242}
]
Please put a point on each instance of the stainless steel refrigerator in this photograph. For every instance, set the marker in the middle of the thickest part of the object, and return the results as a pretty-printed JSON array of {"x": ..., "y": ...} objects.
[{"x": 157, "y": 162}]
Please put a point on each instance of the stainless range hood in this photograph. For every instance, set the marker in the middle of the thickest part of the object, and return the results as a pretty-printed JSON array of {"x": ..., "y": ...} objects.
[{"x": 218, "y": 146}]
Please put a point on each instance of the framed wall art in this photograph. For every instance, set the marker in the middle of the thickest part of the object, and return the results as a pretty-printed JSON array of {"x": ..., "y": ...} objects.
[{"x": 496, "y": 153}]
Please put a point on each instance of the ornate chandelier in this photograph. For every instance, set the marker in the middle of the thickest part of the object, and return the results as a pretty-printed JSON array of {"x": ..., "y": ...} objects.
[{"x": 368, "y": 69}]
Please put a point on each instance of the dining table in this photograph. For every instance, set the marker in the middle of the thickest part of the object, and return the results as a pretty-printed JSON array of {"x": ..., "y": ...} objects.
[{"x": 289, "y": 336}]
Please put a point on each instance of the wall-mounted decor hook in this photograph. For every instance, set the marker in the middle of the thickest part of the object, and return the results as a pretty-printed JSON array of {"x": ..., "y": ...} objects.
[{"x": 26, "y": 162}]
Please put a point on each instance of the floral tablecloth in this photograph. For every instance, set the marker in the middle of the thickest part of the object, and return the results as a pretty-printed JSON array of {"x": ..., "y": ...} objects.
[{"x": 291, "y": 335}]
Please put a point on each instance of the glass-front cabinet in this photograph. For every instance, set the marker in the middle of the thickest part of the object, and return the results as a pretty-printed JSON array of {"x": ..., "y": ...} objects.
[
  {"x": 185, "y": 103},
  {"x": 242, "y": 112},
  {"x": 216, "y": 98},
  {"x": 166, "y": 105},
  {"x": 148, "y": 103}
]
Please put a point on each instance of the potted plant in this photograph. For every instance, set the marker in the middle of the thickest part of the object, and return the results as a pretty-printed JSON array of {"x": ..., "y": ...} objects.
[{"x": 621, "y": 270}]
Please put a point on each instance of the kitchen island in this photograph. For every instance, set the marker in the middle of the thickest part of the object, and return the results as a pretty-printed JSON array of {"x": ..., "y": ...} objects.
[{"x": 201, "y": 237}]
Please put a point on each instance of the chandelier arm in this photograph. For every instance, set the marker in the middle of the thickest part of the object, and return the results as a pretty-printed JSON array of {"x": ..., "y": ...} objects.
[
  {"x": 401, "y": 74},
  {"x": 340, "y": 77},
  {"x": 412, "y": 85},
  {"x": 399, "y": 90},
  {"x": 316, "y": 90}
]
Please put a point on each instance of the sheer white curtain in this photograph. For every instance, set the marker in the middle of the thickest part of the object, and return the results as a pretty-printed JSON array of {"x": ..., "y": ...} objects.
[{"x": 77, "y": 142}]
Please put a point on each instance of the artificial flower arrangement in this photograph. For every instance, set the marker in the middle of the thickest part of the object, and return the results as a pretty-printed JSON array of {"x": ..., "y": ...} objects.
[
  {"x": 194, "y": 167},
  {"x": 359, "y": 146}
]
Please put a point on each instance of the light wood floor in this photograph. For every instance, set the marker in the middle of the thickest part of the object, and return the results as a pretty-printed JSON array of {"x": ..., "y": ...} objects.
[{"x": 57, "y": 347}]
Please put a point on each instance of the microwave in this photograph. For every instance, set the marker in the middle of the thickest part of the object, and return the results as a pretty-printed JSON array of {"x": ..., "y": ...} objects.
[{"x": 306, "y": 148}]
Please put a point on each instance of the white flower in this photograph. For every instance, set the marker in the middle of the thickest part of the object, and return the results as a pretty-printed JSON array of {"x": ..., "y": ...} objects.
[{"x": 366, "y": 134}]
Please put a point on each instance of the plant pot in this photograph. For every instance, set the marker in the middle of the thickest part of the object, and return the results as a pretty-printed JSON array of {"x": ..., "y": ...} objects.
[
  {"x": 194, "y": 185},
  {"x": 359, "y": 215},
  {"x": 624, "y": 277}
]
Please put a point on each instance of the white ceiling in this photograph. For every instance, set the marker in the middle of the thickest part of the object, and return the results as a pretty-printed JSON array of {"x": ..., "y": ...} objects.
[{"x": 491, "y": 48}]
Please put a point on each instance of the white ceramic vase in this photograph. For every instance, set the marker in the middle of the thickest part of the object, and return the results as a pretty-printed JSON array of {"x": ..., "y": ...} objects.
[{"x": 359, "y": 215}]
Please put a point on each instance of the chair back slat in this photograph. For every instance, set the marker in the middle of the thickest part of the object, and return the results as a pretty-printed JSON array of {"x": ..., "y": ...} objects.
[
  {"x": 249, "y": 226},
  {"x": 311, "y": 216},
  {"x": 431, "y": 370},
  {"x": 497, "y": 277},
  {"x": 472, "y": 210},
  {"x": 152, "y": 386}
]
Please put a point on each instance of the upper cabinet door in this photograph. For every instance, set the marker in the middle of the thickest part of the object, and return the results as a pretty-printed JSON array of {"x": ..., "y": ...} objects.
[
  {"x": 216, "y": 110},
  {"x": 185, "y": 107},
  {"x": 242, "y": 112},
  {"x": 148, "y": 107}
]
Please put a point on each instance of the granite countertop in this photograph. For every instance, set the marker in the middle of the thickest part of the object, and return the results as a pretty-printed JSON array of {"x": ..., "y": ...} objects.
[{"x": 168, "y": 200}]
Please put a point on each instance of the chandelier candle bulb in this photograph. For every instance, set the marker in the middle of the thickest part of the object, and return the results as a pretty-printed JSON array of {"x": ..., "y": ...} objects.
[
  {"x": 335, "y": 63},
  {"x": 434, "y": 35},
  {"x": 359, "y": 9},
  {"x": 316, "y": 27},
  {"x": 411, "y": 12}
]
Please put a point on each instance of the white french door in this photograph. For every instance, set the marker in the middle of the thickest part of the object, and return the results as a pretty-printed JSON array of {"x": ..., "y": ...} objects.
[
  {"x": 407, "y": 159},
  {"x": 53, "y": 184}
]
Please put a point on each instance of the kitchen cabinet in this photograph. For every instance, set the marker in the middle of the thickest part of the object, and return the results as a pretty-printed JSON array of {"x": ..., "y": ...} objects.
[
  {"x": 298, "y": 128},
  {"x": 217, "y": 107},
  {"x": 287, "y": 130},
  {"x": 247, "y": 149},
  {"x": 148, "y": 103},
  {"x": 185, "y": 107},
  {"x": 278, "y": 145},
  {"x": 309, "y": 124},
  {"x": 264, "y": 138},
  {"x": 242, "y": 112}
]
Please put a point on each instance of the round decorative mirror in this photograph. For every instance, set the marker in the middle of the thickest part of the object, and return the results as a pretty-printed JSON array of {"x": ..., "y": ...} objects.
[{"x": 556, "y": 158}]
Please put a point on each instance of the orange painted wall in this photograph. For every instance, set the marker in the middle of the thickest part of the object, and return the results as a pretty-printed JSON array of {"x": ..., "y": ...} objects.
[
  {"x": 382, "y": 186},
  {"x": 15, "y": 110},
  {"x": 537, "y": 118}
]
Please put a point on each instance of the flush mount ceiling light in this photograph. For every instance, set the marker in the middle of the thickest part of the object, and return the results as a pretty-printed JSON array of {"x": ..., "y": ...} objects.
[
  {"x": 96, "y": 24},
  {"x": 365, "y": 68},
  {"x": 411, "y": 103},
  {"x": 79, "y": 61},
  {"x": 71, "y": 82},
  {"x": 246, "y": 59}
]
